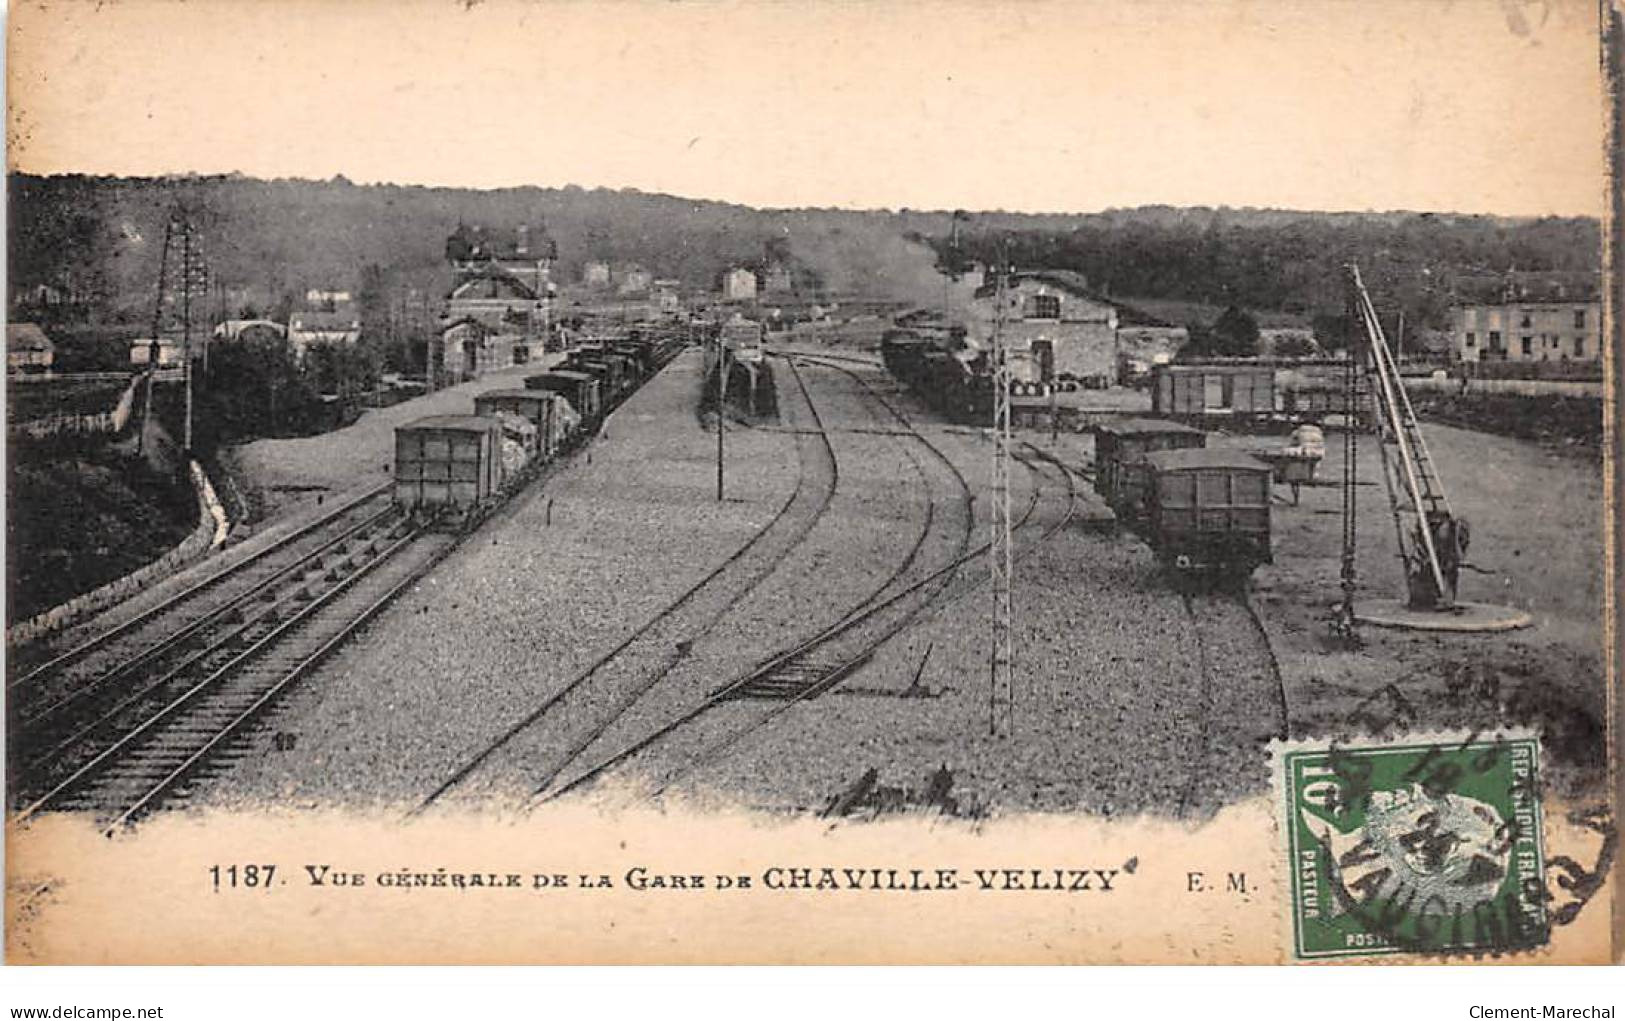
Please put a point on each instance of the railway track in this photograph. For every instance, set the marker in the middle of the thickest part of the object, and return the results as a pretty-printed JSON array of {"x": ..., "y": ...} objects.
[
  {"x": 120, "y": 753},
  {"x": 1240, "y": 703},
  {"x": 898, "y": 571},
  {"x": 810, "y": 666},
  {"x": 665, "y": 637},
  {"x": 46, "y": 671},
  {"x": 130, "y": 718}
]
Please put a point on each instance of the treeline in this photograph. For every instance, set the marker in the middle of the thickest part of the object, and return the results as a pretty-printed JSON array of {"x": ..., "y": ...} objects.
[
  {"x": 1286, "y": 262},
  {"x": 96, "y": 241}
]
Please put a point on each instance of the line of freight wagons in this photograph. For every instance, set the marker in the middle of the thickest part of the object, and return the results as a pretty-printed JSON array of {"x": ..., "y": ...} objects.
[{"x": 459, "y": 462}]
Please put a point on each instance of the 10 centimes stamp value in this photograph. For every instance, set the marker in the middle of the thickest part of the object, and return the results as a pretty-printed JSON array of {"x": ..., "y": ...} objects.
[{"x": 1430, "y": 847}]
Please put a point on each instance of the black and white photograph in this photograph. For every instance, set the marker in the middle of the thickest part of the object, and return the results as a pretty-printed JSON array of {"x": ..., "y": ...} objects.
[{"x": 803, "y": 482}]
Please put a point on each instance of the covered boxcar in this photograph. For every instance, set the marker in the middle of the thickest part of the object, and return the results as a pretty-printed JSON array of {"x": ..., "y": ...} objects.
[
  {"x": 1209, "y": 510},
  {"x": 1200, "y": 391},
  {"x": 448, "y": 461},
  {"x": 1120, "y": 450},
  {"x": 579, "y": 388},
  {"x": 603, "y": 369},
  {"x": 535, "y": 406}
]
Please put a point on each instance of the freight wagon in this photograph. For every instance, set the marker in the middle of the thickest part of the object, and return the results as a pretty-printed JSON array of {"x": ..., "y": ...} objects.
[
  {"x": 448, "y": 462},
  {"x": 1209, "y": 510},
  {"x": 1203, "y": 391},
  {"x": 579, "y": 388},
  {"x": 1121, "y": 476},
  {"x": 607, "y": 372},
  {"x": 534, "y": 406}
]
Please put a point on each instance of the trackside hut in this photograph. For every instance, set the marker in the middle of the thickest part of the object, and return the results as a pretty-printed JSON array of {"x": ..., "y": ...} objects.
[
  {"x": 1052, "y": 327},
  {"x": 28, "y": 349}
]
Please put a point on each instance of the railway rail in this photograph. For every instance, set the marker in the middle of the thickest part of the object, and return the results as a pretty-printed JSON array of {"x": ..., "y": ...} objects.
[
  {"x": 120, "y": 755},
  {"x": 126, "y": 719},
  {"x": 810, "y": 668},
  {"x": 579, "y": 728},
  {"x": 38, "y": 668},
  {"x": 1231, "y": 646},
  {"x": 813, "y": 665},
  {"x": 666, "y": 635}
]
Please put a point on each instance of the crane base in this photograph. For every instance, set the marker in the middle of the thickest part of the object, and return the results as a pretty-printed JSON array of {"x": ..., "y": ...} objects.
[{"x": 1463, "y": 617}]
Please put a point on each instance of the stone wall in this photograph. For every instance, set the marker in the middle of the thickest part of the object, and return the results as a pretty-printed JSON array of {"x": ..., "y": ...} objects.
[{"x": 206, "y": 537}]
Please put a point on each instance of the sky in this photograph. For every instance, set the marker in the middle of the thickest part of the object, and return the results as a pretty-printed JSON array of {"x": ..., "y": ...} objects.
[{"x": 1468, "y": 105}]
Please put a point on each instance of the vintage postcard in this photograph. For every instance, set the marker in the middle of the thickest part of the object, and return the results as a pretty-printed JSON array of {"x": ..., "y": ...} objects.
[{"x": 803, "y": 482}]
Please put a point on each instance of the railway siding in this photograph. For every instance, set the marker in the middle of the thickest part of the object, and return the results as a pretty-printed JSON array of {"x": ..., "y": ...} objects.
[{"x": 550, "y": 584}]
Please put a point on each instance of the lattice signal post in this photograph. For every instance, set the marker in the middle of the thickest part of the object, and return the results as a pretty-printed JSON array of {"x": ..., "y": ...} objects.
[
  {"x": 1001, "y": 704},
  {"x": 182, "y": 244}
]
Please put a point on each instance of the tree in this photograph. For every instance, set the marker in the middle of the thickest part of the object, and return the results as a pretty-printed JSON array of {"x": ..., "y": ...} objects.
[
  {"x": 1294, "y": 347},
  {"x": 1235, "y": 334}
]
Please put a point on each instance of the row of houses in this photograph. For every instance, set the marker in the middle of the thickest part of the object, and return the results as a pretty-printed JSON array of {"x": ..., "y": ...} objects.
[
  {"x": 1055, "y": 326},
  {"x": 303, "y": 331}
]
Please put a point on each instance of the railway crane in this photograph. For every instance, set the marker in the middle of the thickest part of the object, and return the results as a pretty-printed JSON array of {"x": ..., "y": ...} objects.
[{"x": 1431, "y": 538}]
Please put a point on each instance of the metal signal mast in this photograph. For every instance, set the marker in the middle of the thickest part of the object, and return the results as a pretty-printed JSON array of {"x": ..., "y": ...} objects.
[
  {"x": 1001, "y": 704},
  {"x": 184, "y": 242}
]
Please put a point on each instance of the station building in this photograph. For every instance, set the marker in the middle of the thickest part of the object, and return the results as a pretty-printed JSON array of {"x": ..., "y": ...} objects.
[
  {"x": 499, "y": 311},
  {"x": 1053, "y": 326}
]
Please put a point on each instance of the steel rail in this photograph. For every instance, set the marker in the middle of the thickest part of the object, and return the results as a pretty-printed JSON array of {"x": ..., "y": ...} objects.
[
  {"x": 94, "y": 643},
  {"x": 42, "y": 761},
  {"x": 108, "y": 754},
  {"x": 96, "y": 683},
  {"x": 592, "y": 669},
  {"x": 293, "y": 675}
]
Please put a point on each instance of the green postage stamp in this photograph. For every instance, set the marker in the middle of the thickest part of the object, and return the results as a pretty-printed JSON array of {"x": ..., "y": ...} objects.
[{"x": 1428, "y": 847}]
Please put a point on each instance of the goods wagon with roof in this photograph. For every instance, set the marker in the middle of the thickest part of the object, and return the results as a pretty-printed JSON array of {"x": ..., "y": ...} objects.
[{"x": 1208, "y": 510}]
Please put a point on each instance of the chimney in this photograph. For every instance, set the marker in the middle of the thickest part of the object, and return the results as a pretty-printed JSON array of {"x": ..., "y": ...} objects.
[{"x": 523, "y": 246}]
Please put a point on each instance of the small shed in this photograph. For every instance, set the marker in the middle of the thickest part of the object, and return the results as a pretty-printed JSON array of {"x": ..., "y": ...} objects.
[{"x": 28, "y": 349}]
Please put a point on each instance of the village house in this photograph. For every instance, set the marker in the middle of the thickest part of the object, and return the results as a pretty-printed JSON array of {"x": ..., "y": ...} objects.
[
  {"x": 667, "y": 297},
  {"x": 471, "y": 348},
  {"x": 635, "y": 280},
  {"x": 779, "y": 279},
  {"x": 1527, "y": 331},
  {"x": 525, "y": 254},
  {"x": 595, "y": 274},
  {"x": 307, "y": 329},
  {"x": 28, "y": 349},
  {"x": 739, "y": 284}
]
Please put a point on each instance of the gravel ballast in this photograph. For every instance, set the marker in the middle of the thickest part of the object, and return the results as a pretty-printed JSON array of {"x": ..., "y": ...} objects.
[{"x": 1127, "y": 702}]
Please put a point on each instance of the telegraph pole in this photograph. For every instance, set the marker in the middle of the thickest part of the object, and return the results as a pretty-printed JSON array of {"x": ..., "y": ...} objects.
[
  {"x": 156, "y": 346},
  {"x": 722, "y": 396},
  {"x": 186, "y": 325},
  {"x": 1001, "y": 702}
]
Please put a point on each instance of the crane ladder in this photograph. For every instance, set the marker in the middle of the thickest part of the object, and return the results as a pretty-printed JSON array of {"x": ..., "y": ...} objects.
[{"x": 1408, "y": 466}]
